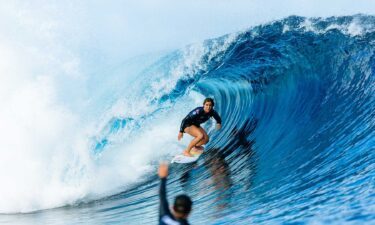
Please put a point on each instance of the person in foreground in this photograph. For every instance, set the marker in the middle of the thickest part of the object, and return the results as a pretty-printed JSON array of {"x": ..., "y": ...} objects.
[
  {"x": 182, "y": 204},
  {"x": 191, "y": 125}
]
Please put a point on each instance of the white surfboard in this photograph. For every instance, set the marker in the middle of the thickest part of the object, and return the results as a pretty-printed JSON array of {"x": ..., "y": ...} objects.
[{"x": 180, "y": 158}]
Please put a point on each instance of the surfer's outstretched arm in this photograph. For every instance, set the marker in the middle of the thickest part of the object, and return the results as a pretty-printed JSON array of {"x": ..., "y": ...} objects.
[{"x": 216, "y": 116}]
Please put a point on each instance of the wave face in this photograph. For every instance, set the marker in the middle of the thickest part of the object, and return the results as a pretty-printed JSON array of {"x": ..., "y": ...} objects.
[{"x": 297, "y": 145}]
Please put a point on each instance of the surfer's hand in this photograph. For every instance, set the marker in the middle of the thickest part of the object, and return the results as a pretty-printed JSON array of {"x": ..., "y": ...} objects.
[
  {"x": 163, "y": 170},
  {"x": 180, "y": 134},
  {"x": 218, "y": 126}
]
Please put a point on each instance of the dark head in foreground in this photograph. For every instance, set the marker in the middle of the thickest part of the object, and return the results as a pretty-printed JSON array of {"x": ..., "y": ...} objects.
[{"x": 181, "y": 207}]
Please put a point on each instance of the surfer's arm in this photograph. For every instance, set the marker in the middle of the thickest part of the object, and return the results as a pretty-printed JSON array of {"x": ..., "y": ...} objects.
[
  {"x": 183, "y": 123},
  {"x": 216, "y": 117},
  {"x": 164, "y": 207}
]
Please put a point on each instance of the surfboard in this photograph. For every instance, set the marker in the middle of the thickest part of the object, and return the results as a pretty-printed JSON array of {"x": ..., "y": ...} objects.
[{"x": 180, "y": 158}]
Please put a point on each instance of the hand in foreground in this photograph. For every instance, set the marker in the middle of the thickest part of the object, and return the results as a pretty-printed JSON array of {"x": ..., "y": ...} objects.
[
  {"x": 218, "y": 126},
  {"x": 180, "y": 135},
  {"x": 163, "y": 170}
]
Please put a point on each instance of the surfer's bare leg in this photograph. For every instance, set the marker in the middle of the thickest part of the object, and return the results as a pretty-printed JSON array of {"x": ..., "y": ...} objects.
[
  {"x": 205, "y": 138},
  {"x": 198, "y": 136},
  {"x": 198, "y": 148}
]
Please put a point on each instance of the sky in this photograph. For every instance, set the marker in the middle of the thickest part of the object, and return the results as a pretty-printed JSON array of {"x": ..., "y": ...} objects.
[
  {"x": 138, "y": 27},
  {"x": 111, "y": 31}
]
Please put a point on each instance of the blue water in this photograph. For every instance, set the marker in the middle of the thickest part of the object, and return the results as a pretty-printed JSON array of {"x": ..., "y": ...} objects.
[{"x": 298, "y": 140}]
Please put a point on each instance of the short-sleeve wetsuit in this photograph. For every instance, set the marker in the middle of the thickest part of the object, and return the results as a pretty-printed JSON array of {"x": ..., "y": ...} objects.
[
  {"x": 165, "y": 215},
  {"x": 198, "y": 116}
]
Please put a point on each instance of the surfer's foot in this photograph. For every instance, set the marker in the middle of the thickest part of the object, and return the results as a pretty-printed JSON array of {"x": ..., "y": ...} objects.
[
  {"x": 196, "y": 151},
  {"x": 187, "y": 153}
]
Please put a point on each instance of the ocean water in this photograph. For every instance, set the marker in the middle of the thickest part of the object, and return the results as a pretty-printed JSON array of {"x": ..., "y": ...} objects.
[{"x": 297, "y": 146}]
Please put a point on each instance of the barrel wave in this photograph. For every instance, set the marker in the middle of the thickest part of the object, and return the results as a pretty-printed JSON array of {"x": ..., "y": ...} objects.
[{"x": 297, "y": 145}]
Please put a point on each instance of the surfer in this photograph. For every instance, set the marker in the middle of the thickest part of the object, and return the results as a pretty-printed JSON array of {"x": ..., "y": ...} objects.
[
  {"x": 191, "y": 125},
  {"x": 182, "y": 204}
]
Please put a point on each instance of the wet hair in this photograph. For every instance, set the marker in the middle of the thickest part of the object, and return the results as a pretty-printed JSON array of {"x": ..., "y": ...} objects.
[
  {"x": 182, "y": 204},
  {"x": 209, "y": 100}
]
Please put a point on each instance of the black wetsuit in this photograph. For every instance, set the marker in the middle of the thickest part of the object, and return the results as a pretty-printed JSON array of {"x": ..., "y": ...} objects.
[
  {"x": 198, "y": 116},
  {"x": 165, "y": 215}
]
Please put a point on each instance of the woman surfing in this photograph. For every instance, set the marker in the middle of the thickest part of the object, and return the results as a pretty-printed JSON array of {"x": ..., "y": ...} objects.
[{"x": 191, "y": 125}]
